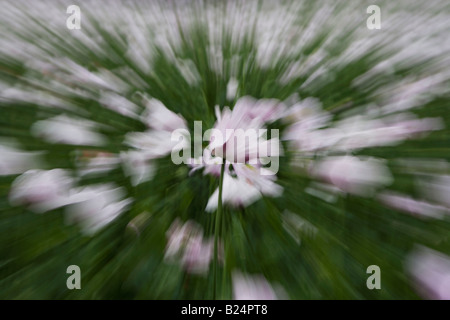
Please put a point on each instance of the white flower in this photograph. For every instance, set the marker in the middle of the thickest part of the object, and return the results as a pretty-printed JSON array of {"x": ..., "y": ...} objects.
[
  {"x": 308, "y": 132},
  {"x": 236, "y": 192},
  {"x": 265, "y": 110},
  {"x": 437, "y": 188},
  {"x": 252, "y": 287},
  {"x": 305, "y": 116},
  {"x": 99, "y": 162},
  {"x": 211, "y": 165},
  {"x": 118, "y": 103},
  {"x": 95, "y": 206},
  {"x": 240, "y": 130},
  {"x": 62, "y": 129},
  {"x": 153, "y": 144},
  {"x": 262, "y": 178},
  {"x": 247, "y": 187},
  {"x": 159, "y": 118},
  {"x": 232, "y": 87},
  {"x": 137, "y": 166},
  {"x": 363, "y": 132},
  {"x": 352, "y": 174},
  {"x": 14, "y": 161},
  {"x": 41, "y": 190}
]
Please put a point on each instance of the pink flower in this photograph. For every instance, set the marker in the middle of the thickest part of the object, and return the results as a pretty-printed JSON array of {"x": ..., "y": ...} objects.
[
  {"x": 178, "y": 236},
  {"x": 431, "y": 273},
  {"x": 187, "y": 246},
  {"x": 241, "y": 131},
  {"x": 198, "y": 255},
  {"x": 412, "y": 206}
]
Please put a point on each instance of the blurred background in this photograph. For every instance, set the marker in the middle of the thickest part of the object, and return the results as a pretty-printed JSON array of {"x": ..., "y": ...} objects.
[{"x": 89, "y": 96}]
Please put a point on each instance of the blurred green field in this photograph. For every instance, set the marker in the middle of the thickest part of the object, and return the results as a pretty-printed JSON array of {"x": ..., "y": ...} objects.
[{"x": 311, "y": 248}]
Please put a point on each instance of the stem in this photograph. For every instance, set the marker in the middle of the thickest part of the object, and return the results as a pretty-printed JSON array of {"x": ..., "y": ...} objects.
[{"x": 217, "y": 229}]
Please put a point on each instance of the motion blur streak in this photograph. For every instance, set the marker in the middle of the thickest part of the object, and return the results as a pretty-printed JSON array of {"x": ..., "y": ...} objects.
[{"x": 87, "y": 117}]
